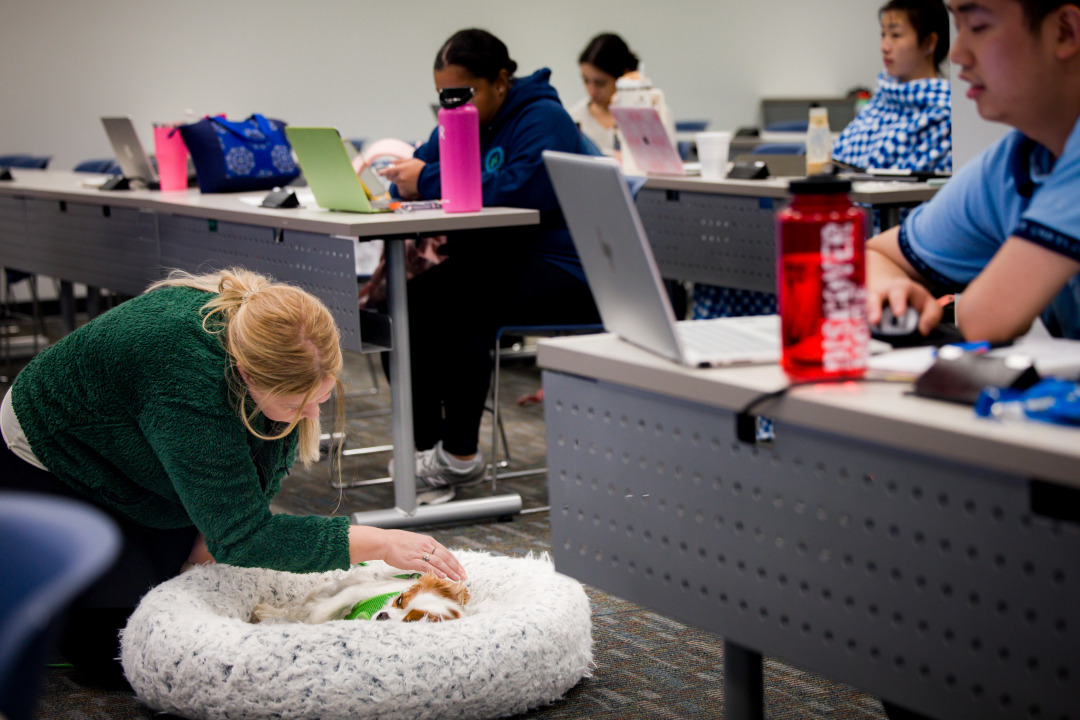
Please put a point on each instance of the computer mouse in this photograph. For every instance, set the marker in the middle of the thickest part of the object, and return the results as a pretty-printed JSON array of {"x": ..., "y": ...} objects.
[{"x": 892, "y": 326}]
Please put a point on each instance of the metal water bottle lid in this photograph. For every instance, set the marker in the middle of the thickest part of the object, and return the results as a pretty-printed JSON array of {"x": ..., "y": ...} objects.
[{"x": 453, "y": 97}]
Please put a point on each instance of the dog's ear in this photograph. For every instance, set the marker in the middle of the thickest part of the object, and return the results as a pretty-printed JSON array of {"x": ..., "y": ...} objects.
[
  {"x": 458, "y": 593},
  {"x": 417, "y": 615}
]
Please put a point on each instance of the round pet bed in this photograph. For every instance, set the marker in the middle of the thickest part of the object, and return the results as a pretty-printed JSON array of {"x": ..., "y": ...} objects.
[{"x": 523, "y": 641}]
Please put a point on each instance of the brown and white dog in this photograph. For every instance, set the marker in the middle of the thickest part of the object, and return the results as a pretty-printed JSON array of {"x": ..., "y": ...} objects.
[{"x": 428, "y": 598}]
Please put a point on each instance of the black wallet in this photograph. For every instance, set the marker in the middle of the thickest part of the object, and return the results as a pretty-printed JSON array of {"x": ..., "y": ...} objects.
[{"x": 961, "y": 377}]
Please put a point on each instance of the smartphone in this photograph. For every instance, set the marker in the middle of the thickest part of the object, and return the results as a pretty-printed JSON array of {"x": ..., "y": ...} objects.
[{"x": 373, "y": 183}]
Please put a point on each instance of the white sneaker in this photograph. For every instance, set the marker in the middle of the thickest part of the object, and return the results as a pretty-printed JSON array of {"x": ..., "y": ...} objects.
[
  {"x": 433, "y": 470},
  {"x": 435, "y": 496}
]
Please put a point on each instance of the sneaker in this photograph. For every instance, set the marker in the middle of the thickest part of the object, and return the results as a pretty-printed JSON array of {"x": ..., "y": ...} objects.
[
  {"x": 433, "y": 470},
  {"x": 435, "y": 496}
]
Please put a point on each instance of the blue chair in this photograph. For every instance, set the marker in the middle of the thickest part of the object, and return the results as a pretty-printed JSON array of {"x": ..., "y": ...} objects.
[
  {"x": 789, "y": 126},
  {"x": 105, "y": 166},
  {"x": 34, "y": 162},
  {"x": 779, "y": 149},
  {"x": 51, "y": 550},
  {"x": 496, "y": 420},
  {"x": 691, "y": 125}
]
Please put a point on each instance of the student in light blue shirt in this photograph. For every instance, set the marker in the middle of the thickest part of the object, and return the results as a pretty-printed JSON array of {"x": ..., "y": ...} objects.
[{"x": 1006, "y": 227}]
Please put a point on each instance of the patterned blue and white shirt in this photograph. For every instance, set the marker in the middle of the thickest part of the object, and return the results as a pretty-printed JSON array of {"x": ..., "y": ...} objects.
[{"x": 905, "y": 126}]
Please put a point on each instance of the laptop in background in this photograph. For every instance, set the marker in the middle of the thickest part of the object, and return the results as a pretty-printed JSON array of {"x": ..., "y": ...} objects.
[
  {"x": 648, "y": 141},
  {"x": 130, "y": 154},
  {"x": 625, "y": 280},
  {"x": 328, "y": 170}
]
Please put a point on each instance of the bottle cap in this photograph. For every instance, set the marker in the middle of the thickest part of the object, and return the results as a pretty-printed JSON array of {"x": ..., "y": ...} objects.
[
  {"x": 819, "y": 185},
  {"x": 451, "y": 98}
]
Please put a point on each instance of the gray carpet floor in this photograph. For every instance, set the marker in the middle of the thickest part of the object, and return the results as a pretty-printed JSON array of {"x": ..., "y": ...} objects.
[{"x": 647, "y": 665}]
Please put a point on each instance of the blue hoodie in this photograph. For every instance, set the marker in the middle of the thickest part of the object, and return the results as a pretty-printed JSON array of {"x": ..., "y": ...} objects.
[{"x": 531, "y": 120}]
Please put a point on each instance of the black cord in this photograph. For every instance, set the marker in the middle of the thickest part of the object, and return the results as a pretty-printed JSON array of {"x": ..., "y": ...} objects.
[{"x": 746, "y": 421}]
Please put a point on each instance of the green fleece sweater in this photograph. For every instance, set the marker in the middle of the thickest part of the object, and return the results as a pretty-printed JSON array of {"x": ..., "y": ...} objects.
[{"x": 134, "y": 411}]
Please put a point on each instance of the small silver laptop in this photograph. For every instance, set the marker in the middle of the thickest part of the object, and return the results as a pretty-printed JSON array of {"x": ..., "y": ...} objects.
[
  {"x": 625, "y": 280},
  {"x": 129, "y": 151}
]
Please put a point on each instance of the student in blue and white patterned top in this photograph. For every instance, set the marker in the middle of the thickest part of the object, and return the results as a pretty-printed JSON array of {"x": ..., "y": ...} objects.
[{"x": 907, "y": 125}]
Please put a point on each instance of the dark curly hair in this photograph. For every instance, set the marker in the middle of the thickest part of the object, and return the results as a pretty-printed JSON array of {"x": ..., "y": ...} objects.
[{"x": 479, "y": 52}]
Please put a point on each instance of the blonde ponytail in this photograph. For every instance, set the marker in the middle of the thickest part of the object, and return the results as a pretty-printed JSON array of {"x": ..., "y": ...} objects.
[{"x": 284, "y": 338}]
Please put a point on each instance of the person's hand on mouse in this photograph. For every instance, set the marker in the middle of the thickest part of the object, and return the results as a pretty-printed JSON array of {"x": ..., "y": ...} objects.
[
  {"x": 405, "y": 174},
  {"x": 899, "y": 293}
]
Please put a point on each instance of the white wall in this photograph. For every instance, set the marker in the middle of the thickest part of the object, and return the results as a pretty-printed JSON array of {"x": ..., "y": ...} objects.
[{"x": 366, "y": 67}]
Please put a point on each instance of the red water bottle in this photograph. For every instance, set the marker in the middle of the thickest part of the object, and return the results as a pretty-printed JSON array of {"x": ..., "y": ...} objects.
[{"x": 821, "y": 279}]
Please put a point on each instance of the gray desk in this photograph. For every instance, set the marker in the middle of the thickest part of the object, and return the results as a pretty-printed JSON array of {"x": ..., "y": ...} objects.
[
  {"x": 884, "y": 540},
  {"x": 52, "y": 225},
  {"x": 723, "y": 232}
]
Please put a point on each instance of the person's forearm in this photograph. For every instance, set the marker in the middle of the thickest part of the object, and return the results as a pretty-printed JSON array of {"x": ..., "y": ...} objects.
[{"x": 366, "y": 543}]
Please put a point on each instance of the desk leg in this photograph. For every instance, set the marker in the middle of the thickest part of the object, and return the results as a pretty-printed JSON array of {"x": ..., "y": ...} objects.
[
  {"x": 890, "y": 216},
  {"x": 744, "y": 690},
  {"x": 67, "y": 305},
  {"x": 401, "y": 379},
  {"x": 406, "y": 513},
  {"x": 93, "y": 302}
]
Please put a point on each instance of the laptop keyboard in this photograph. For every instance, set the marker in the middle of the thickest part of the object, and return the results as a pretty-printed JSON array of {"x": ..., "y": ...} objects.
[{"x": 711, "y": 339}]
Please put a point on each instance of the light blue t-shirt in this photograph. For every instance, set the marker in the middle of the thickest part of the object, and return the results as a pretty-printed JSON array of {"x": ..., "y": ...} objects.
[{"x": 1013, "y": 188}]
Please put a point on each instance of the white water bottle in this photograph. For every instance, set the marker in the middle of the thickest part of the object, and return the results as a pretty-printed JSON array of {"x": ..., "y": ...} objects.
[{"x": 818, "y": 141}]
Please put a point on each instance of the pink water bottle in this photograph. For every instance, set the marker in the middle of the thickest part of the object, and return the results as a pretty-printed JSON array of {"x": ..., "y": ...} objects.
[
  {"x": 459, "y": 151},
  {"x": 821, "y": 278}
]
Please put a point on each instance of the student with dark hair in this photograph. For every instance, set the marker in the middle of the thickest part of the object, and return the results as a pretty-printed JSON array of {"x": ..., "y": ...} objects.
[
  {"x": 1005, "y": 229},
  {"x": 521, "y": 276},
  {"x": 907, "y": 125},
  {"x": 603, "y": 61}
]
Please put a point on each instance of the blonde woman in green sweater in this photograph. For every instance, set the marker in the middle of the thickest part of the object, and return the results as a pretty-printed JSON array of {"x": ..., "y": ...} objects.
[{"x": 179, "y": 412}]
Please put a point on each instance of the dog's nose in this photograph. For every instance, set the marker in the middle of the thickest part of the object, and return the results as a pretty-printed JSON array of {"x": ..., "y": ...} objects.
[{"x": 383, "y": 616}]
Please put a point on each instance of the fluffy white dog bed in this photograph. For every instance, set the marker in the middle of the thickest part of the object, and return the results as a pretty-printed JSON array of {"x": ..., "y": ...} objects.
[{"x": 524, "y": 641}]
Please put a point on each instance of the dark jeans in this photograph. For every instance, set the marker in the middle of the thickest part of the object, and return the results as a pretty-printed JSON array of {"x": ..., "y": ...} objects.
[
  {"x": 149, "y": 557},
  {"x": 454, "y": 310}
]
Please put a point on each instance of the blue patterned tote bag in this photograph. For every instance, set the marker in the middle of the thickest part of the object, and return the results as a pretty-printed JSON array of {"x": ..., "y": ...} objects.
[{"x": 240, "y": 156}]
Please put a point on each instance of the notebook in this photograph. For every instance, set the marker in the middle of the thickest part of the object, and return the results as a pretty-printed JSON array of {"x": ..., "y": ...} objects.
[
  {"x": 625, "y": 280},
  {"x": 647, "y": 139},
  {"x": 329, "y": 172}
]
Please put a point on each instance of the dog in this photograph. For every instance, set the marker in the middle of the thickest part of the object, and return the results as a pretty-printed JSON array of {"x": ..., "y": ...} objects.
[{"x": 383, "y": 595}]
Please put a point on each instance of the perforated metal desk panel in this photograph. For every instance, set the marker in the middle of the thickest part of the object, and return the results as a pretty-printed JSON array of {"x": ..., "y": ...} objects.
[
  {"x": 51, "y": 224},
  {"x": 883, "y": 540},
  {"x": 723, "y": 232}
]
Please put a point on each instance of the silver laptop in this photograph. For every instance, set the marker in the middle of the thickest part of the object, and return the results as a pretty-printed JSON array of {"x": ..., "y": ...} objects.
[
  {"x": 625, "y": 280},
  {"x": 129, "y": 151}
]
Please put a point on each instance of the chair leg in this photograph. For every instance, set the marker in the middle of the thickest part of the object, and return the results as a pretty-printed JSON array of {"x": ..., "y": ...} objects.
[{"x": 39, "y": 322}]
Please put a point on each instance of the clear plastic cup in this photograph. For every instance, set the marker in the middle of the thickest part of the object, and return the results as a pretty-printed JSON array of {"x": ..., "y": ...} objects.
[
  {"x": 712, "y": 149},
  {"x": 172, "y": 158}
]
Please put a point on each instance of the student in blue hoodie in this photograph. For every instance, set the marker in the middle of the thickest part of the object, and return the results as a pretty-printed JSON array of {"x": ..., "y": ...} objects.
[{"x": 509, "y": 276}]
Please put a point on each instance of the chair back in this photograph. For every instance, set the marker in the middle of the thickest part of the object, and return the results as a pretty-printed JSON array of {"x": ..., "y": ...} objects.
[
  {"x": 34, "y": 162},
  {"x": 51, "y": 550},
  {"x": 104, "y": 166},
  {"x": 779, "y": 149}
]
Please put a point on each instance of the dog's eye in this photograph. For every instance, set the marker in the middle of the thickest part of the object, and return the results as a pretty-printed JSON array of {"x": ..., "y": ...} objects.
[{"x": 397, "y": 602}]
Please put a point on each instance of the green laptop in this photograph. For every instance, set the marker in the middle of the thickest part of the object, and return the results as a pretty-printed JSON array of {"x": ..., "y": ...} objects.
[{"x": 327, "y": 169}]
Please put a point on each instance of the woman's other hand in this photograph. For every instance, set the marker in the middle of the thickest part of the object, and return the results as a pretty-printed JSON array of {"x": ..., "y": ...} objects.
[
  {"x": 200, "y": 555},
  {"x": 405, "y": 174}
]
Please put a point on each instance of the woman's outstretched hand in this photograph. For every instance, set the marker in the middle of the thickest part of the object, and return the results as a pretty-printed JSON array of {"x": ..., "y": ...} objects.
[{"x": 405, "y": 550}]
